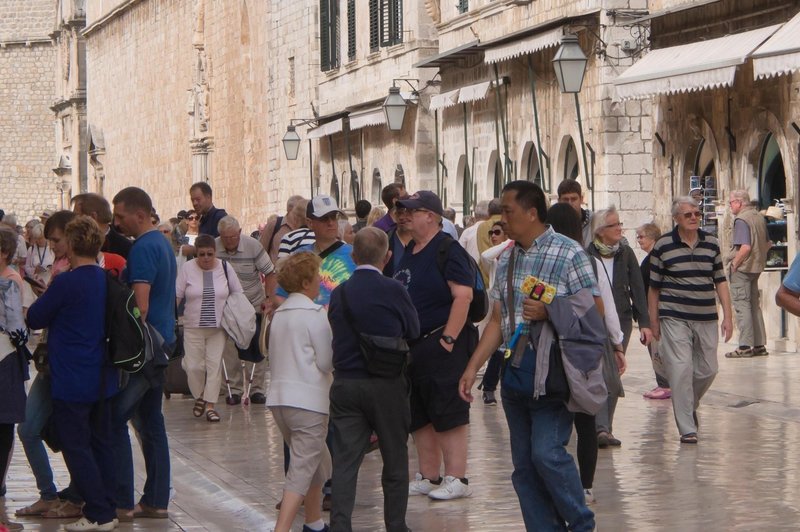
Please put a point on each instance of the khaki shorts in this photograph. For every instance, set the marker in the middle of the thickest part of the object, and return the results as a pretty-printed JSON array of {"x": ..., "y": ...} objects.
[{"x": 304, "y": 432}]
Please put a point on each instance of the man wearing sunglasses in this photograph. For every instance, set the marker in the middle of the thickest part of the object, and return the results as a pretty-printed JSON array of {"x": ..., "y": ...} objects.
[{"x": 685, "y": 272}]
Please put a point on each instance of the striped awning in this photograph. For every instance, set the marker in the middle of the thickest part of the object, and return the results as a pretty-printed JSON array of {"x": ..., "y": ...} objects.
[
  {"x": 690, "y": 67},
  {"x": 781, "y": 53},
  {"x": 526, "y": 46},
  {"x": 474, "y": 93},
  {"x": 367, "y": 118},
  {"x": 329, "y": 128},
  {"x": 444, "y": 100}
]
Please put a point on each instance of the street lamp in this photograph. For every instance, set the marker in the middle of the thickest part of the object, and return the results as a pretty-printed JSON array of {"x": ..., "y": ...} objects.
[
  {"x": 570, "y": 66},
  {"x": 291, "y": 143},
  {"x": 394, "y": 106}
]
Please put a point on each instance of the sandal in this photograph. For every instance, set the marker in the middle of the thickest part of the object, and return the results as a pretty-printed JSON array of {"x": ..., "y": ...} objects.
[
  {"x": 148, "y": 512},
  {"x": 37, "y": 509},
  {"x": 212, "y": 416},
  {"x": 740, "y": 353},
  {"x": 689, "y": 438},
  {"x": 199, "y": 407},
  {"x": 64, "y": 510}
]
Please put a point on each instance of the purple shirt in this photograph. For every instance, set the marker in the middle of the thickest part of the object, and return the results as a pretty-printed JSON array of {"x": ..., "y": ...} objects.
[{"x": 386, "y": 223}]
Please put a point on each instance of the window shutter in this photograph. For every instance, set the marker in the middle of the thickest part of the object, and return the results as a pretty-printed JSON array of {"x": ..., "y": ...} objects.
[
  {"x": 374, "y": 25},
  {"x": 324, "y": 35},
  {"x": 351, "y": 30},
  {"x": 385, "y": 27},
  {"x": 398, "y": 21},
  {"x": 463, "y": 6},
  {"x": 335, "y": 42}
]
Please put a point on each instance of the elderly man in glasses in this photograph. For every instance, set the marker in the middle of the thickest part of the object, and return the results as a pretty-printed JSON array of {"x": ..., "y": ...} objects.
[{"x": 685, "y": 272}]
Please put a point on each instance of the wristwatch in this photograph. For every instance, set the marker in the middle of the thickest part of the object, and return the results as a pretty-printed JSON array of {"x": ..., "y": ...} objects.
[{"x": 449, "y": 340}]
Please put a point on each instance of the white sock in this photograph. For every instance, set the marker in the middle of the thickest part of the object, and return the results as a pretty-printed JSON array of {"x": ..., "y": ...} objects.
[{"x": 319, "y": 524}]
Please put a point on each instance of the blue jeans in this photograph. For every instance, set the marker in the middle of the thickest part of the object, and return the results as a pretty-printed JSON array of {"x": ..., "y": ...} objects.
[
  {"x": 84, "y": 430},
  {"x": 37, "y": 412},
  {"x": 545, "y": 477},
  {"x": 140, "y": 402}
]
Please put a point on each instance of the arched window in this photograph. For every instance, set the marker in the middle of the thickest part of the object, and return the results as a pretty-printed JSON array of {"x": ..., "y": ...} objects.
[
  {"x": 400, "y": 175},
  {"x": 771, "y": 175},
  {"x": 703, "y": 181},
  {"x": 335, "y": 194},
  {"x": 530, "y": 163},
  {"x": 377, "y": 186},
  {"x": 495, "y": 174},
  {"x": 571, "y": 167}
]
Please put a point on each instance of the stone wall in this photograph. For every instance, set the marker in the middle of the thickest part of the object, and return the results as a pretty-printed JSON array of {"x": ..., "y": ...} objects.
[
  {"x": 22, "y": 20},
  {"x": 26, "y": 130},
  {"x": 166, "y": 75}
]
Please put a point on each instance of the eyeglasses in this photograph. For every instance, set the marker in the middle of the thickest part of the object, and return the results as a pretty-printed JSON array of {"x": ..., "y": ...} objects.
[
  {"x": 206, "y": 254},
  {"x": 639, "y": 237},
  {"x": 736, "y": 200},
  {"x": 693, "y": 214},
  {"x": 166, "y": 231},
  {"x": 495, "y": 232},
  {"x": 612, "y": 226},
  {"x": 192, "y": 217}
]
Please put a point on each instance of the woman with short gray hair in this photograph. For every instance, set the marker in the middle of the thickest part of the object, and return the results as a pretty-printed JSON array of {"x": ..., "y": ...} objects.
[{"x": 620, "y": 265}]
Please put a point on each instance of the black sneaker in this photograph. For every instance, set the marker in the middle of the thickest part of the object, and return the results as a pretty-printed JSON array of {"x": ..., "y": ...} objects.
[
  {"x": 488, "y": 398},
  {"x": 258, "y": 398}
]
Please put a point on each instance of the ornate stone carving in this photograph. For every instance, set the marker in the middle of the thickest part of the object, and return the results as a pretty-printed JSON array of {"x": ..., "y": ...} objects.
[{"x": 433, "y": 9}]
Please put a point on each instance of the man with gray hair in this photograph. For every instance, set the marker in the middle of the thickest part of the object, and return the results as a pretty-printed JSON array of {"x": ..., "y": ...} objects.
[
  {"x": 361, "y": 401},
  {"x": 250, "y": 261},
  {"x": 685, "y": 271},
  {"x": 278, "y": 226},
  {"x": 745, "y": 262}
]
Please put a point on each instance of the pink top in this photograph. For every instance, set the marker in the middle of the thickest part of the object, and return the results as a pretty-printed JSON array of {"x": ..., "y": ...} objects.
[{"x": 205, "y": 292}]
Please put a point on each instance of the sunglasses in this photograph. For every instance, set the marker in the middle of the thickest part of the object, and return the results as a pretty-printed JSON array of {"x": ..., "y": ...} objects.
[
  {"x": 166, "y": 231},
  {"x": 192, "y": 217},
  {"x": 495, "y": 232},
  {"x": 690, "y": 215},
  {"x": 206, "y": 254}
]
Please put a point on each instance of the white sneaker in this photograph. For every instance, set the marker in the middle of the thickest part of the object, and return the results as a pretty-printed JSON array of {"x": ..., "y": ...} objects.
[
  {"x": 451, "y": 488},
  {"x": 84, "y": 525},
  {"x": 420, "y": 486},
  {"x": 589, "y": 496}
]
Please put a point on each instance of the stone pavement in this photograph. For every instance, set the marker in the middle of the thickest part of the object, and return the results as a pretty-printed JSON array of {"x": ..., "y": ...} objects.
[{"x": 743, "y": 475}]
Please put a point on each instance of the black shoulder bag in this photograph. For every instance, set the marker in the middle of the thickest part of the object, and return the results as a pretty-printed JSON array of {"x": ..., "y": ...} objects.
[{"x": 386, "y": 356}]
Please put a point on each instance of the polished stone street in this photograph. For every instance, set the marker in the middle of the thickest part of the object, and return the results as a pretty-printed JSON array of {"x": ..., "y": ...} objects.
[{"x": 743, "y": 475}]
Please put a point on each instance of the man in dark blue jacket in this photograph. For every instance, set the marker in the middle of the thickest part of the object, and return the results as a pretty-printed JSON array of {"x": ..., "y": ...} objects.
[{"x": 362, "y": 403}]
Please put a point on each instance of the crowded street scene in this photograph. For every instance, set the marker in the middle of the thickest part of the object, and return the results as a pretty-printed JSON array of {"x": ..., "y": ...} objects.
[{"x": 506, "y": 267}]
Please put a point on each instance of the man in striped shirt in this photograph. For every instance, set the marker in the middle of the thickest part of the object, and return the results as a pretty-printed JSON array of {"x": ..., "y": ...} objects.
[{"x": 685, "y": 272}]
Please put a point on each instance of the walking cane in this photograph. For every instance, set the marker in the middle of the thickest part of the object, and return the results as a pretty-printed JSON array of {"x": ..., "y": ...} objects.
[
  {"x": 246, "y": 399},
  {"x": 229, "y": 399}
]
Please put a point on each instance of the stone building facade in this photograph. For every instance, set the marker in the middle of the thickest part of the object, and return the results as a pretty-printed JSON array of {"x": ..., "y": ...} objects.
[
  {"x": 27, "y": 144},
  {"x": 730, "y": 118},
  {"x": 178, "y": 94}
]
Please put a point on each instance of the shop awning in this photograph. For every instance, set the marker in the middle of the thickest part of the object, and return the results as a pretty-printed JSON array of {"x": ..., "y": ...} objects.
[
  {"x": 781, "y": 53},
  {"x": 326, "y": 129},
  {"x": 366, "y": 118},
  {"x": 526, "y": 46},
  {"x": 451, "y": 56},
  {"x": 444, "y": 100},
  {"x": 690, "y": 67},
  {"x": 474, "y": 93}
]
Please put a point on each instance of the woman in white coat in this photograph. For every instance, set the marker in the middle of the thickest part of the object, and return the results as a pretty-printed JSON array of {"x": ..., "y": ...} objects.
[{"x": 301, "y": 365}]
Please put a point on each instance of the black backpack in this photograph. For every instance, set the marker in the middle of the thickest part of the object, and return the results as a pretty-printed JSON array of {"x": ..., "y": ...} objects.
[
  {"x": 479, "y": 306},
  {"x": 125, "y": 344}
]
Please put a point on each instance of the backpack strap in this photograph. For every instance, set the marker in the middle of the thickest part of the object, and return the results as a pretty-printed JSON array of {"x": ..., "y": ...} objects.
[
  {"x": 333, "y": 247},
  {"x": 443, "y": 253}
]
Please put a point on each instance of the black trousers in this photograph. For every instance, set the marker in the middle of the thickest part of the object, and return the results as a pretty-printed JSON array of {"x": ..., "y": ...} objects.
[{"x": 359, "y": 407}]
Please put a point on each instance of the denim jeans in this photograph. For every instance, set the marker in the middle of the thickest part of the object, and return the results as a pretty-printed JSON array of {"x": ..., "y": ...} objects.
[
  {"x": 84, "y": 430},
  {"x": 37, "y": 412},
  {"x": 140, "y": 402},
  {"x": 492, "y": 374},
  {"x": 545, "y": 477}
]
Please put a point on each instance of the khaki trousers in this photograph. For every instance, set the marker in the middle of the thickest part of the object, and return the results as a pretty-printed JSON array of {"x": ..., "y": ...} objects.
[
  {"x": 202, "y": 361},
  {"x": 747, "y": 305},
  {"x": 234, "y": 367}
]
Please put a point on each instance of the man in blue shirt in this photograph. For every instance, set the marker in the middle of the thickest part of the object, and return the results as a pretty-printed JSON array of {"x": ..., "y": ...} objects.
[
  {"x": 203, "y": 203},
  {"x": 788, "y": 296},
  {"x": 151, "y": 271},
  {"x": 439, "y": 417}
]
